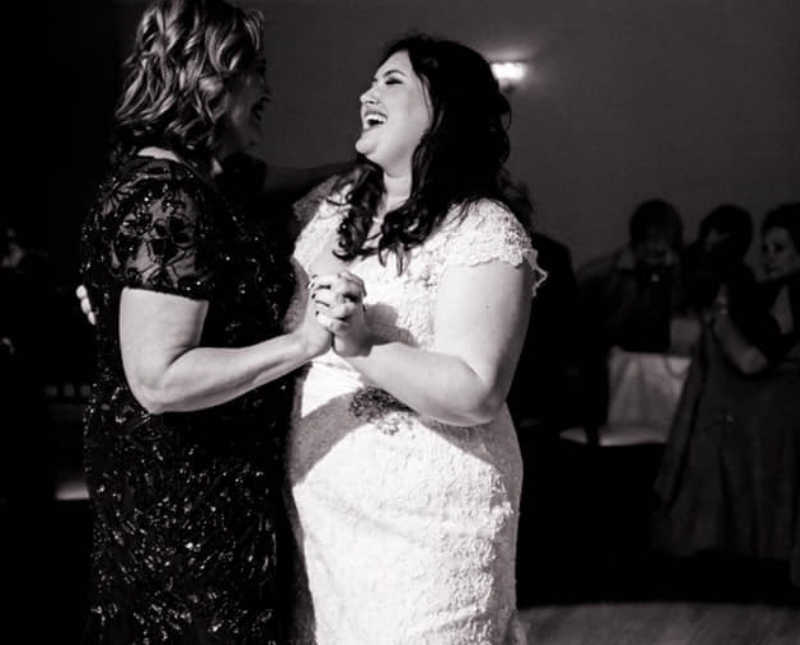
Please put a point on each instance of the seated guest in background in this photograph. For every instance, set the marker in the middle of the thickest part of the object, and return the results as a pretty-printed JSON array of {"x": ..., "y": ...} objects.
[
  {"x": 716, "y": 258},
  {"x": 730, "y": 479},
  {"x": 630, "y": 298},
  {"x": 631, "y": 294}
]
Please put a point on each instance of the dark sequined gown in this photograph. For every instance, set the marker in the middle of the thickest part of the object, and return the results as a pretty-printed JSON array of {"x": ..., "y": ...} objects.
[{"x": 187, "y": 505}]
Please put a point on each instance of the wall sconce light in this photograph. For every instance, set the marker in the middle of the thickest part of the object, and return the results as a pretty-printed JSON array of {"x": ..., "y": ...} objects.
[{"x": 508, "y": 73}]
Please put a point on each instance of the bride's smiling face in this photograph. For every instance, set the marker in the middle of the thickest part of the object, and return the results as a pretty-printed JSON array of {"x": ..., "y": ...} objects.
[{"x": 395, "y": 114}]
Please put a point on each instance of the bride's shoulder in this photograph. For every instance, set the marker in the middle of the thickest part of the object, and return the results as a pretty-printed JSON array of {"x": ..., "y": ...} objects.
[
  {"x": 484, "y": 231},
  {"x": 484, "y": 217}
]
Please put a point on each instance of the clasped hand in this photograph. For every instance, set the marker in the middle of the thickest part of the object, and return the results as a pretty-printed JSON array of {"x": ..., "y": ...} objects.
[{"x": 338, "y": 301}]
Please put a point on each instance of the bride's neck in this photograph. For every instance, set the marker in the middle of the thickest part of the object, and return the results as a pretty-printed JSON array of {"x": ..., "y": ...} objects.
[{"x": 397, "y": 189}]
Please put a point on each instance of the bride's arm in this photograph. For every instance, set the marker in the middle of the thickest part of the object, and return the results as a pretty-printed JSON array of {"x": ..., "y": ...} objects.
[{"x": 481, "y": 316}]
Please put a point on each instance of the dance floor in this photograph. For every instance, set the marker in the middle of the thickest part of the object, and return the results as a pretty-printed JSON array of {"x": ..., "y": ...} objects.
[
  {"x": 726, "y": 604},
  {"x": 577, "y": 584},
  {"x": 663, "y": 623}
]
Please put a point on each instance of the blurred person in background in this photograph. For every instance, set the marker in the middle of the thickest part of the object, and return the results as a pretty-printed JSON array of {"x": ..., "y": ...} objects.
[
  {"x": 716, "y": 259},
  {"x": 730, "y": 480},
  {"x": 630, "y": 299}
]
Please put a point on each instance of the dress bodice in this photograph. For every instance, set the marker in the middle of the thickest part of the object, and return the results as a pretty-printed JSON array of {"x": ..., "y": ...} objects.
[
  {"x": 400, "y": 306},
  {"x": 406, "y": 526}
]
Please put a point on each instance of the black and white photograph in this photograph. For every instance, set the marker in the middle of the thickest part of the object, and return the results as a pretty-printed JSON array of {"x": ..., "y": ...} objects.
[{"x": 403, "y": 322}]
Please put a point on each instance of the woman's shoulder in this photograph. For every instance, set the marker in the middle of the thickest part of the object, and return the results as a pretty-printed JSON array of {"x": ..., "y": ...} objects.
[
  {"x": 139, "y": 182},
  {"x": 483, "y": 214},
  {"x": 485, "y": 222},
  {"x": 486, "y": 230},
  {"x": 131, "y": 165},
  {"x": 164, "y": 189},
  {"x": 145, "y": 170}
]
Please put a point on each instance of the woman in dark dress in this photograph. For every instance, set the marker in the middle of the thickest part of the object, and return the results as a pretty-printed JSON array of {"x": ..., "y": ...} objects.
[
  {"x": 188, "y": 413},
  {"x": 730, "y": 480}
]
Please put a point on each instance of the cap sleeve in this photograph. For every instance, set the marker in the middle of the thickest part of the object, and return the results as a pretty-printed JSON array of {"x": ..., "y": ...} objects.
[
  {"x": 165, "y": 240},
  {"x": 490, "y": 232}
]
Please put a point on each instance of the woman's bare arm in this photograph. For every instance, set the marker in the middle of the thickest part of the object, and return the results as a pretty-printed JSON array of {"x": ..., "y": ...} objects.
[{"x": 168, "y": 372}]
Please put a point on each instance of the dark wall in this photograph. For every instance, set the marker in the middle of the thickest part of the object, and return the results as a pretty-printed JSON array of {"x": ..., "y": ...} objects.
[
  {"x": 82, "y": 67},
  {"x": 697, "y": 101}
]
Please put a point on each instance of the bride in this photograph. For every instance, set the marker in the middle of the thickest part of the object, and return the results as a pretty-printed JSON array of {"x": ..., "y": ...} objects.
[{"x": 403, "y": 463}]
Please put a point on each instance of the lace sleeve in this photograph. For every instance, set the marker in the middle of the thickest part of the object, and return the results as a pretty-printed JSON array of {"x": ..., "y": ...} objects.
[
  {"x": 165, "y": 242},
  {"x": 490, "y": 232}
]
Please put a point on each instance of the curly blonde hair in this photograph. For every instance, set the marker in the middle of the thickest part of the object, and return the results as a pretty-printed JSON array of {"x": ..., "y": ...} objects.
[{"x": 186, "y": 55}]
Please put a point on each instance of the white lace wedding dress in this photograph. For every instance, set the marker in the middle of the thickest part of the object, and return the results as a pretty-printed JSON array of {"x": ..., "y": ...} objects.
[{"x": 406, "y": 527}]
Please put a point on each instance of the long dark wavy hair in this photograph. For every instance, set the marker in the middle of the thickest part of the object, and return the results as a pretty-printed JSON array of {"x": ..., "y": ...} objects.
[
  {"x": 458, "y": 161},
  {"x": 185, "y": 57}
]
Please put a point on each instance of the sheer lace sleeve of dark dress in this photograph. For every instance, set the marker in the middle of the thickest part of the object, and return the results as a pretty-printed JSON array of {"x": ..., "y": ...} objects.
[{"x": 187, "y": 506}]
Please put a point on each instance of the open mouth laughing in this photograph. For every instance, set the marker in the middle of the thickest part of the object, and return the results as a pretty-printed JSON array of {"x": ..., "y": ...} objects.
[{"x": 372, "y": 118}]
